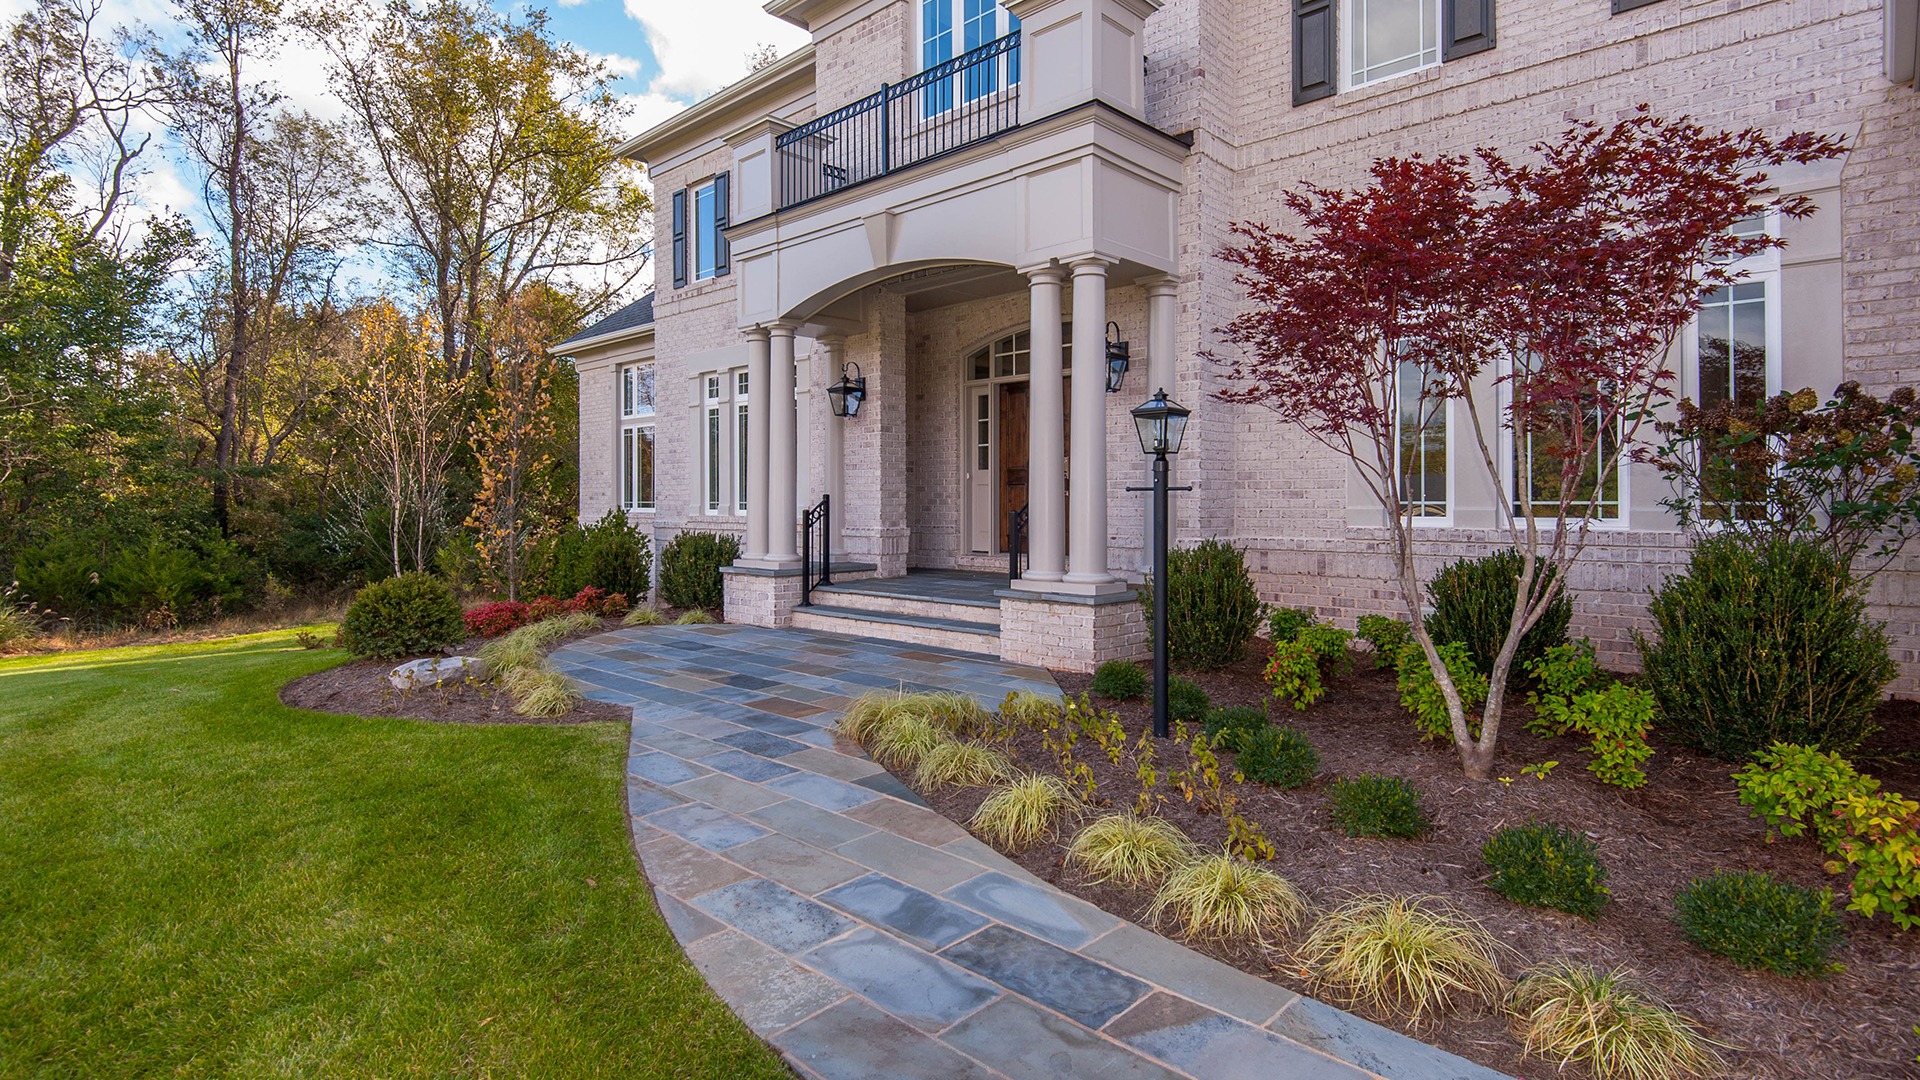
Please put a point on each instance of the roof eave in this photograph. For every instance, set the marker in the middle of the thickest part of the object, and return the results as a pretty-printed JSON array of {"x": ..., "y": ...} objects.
[{"x": 718, "y": 112}]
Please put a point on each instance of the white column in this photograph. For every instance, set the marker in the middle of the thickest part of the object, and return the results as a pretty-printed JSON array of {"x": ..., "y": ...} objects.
[
  {"x": 833, "y": 354},
  {"x": 1088, "y": 565},
  {"x": 756, "y": 448},
  {"x": 1046, "y": 433},
  {"x": 783, "y": 453},
  {"x": 1161, "y": 315}
]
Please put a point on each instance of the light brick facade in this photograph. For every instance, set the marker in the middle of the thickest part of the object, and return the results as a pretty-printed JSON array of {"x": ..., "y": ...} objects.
[{"x": 1217, "y": 74}]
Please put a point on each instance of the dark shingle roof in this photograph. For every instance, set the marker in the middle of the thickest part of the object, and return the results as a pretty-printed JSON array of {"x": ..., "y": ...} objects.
[{"x": 638, "y": 313}]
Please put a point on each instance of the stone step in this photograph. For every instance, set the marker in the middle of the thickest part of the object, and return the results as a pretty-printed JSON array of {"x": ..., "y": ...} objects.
[
  {"x": 897, "y": 602},
  {"x": 960, "y": 635}
]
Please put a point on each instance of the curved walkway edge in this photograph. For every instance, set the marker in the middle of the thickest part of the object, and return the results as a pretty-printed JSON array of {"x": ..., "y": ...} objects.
[{"x": 864, "y": 935}]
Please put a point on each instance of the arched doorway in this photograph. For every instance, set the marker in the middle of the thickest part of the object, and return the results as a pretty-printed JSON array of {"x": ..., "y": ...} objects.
[{"x": 998, "y": 424}]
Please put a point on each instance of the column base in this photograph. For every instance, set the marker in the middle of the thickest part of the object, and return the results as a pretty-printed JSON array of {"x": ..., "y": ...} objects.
[
  {"x": 1067, "y": 586},
  {"x": 1072, "y": 632},
  {"x": 760, "y": 596}
]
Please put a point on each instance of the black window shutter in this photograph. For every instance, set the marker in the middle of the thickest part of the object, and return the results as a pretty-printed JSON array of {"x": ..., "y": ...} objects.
[
  {"x": 1466, "y": 27},
  {"x": 722, "y": 204},
  {"x": 1628, "y": 5},
  {"x": 1315, "y": 51},
  {"x": 680, "y": 238}
]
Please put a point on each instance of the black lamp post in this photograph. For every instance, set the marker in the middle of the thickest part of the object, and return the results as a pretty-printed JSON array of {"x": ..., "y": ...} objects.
[
  {"x": 1117, "y": 358},
  {"x": 1162, "y": 424},
  {"x": 846, "y": 395}
]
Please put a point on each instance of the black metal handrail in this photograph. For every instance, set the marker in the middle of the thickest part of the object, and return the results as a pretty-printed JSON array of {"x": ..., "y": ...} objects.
[
  {"x": 1016, "y": 541},
  {"x": 819, "y": 516},
  {"x": 947, "y": 107}
]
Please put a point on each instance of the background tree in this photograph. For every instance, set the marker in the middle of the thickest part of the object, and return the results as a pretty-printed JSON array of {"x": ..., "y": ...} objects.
[
  {"x": 404, "y": 414},
  {"x": 1562, "y": 281},
  {"x": 495, "y": 144},
  {"x": 512, "y": 438}
]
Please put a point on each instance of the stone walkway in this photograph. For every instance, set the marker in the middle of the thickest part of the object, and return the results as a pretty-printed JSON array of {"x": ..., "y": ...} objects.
[{"x": 865, "y": 935}]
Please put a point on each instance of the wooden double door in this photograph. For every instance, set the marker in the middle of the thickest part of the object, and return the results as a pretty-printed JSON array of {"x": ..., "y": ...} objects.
[{"x": 1001, "y": 465}]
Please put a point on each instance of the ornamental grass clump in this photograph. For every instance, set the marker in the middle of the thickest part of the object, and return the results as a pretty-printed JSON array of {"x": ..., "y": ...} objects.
[
  {"x": 1277, "y": 756},
  {"x": 1548, "y": 866},
  {"x": 1222, "y": 897},
  {"x": 903, "y": 742},
  {"x": 1374, "y": 805},
  {"x": 950, "y": 710},
  {"x": 1759, "y": 921},
  {"x": 695, "y": 617},
  {"x": 643, "y": 615},
  {"x": 543, "y": 693},
  {"x": 1122, "y": 680},
  {"x": 1022, "y": 813},
  {"x": 967, "y": 764},
  {"x": 1129, "y": 849},
  {"x": 1601, "y": 1019},
  {"x": 1413, "y": 957}
]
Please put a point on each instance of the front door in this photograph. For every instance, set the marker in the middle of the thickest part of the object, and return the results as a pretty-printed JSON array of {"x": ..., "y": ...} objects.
[{"x": 1013, "y": 452}]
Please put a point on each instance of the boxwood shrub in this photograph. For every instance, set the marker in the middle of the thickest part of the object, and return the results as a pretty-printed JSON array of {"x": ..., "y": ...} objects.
[
  {"x": 690, "y": 569},
  {"x": 402, "y": 616},
  {"x": 1122, "y": 680},
  {"x": 1764, "y": 642},
  {"x": 1212, "y": 606},
  {"x": 1279, "y": 756},
  {"x": 1374, "y": 805},
  {"x": 1759, "y": 921},
  {"x": 1548, "y": 866},
  {"x": 1473, "y": 604}
]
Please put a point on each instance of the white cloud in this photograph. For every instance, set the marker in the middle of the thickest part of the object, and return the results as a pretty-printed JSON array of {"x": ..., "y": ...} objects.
[
  {"x": 650, "y": 109},
  {"x": 620, "y": 67},
  {"x": 703, "y": 46}
]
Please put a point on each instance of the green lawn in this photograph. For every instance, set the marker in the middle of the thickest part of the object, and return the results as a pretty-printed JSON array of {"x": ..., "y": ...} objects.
[{"x": 196, "y": 880}]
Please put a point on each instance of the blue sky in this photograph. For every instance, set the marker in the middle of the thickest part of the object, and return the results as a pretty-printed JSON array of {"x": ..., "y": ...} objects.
[{"x": 667, "y": 55}]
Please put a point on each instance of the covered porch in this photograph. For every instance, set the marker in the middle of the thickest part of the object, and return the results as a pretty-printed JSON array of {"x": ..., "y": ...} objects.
[{"x": 1042, "y": 218}]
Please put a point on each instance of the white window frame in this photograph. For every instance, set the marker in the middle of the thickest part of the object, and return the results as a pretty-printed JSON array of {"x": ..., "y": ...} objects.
[
  {"x": 1351, "y": 34},
  {"x": 1442, "y": 520},
  {"x": 723, "y": 443},
  {"x": 1509, "y": 450},
  {"x": 958, "y": 30},
  {"x": 701, "y": 230},
  {"x": 639, "y": 488},
  {"x": 1763, "y": 270}
]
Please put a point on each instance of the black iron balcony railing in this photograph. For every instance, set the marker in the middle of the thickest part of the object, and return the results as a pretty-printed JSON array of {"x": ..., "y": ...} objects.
[{"x": 965, "y": 100}]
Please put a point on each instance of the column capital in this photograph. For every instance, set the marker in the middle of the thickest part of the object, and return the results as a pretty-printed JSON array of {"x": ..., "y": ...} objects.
[
  {"x": 1162, "y": 285},
  {"x": 1092, "y": 264},
  {"x": 1046, "y": 271},
  {"x": 755, "y": 333},
  {"x": 777, "y": 328}
]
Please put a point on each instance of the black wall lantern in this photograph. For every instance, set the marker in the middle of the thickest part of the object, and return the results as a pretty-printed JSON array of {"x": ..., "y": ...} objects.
[
  {"x": 1116, "y": 358},
  {"x": 846, "y": 395}
]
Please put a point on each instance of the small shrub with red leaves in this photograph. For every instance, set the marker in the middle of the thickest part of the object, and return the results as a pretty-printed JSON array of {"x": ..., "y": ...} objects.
[{"x": 501, "y": 617}]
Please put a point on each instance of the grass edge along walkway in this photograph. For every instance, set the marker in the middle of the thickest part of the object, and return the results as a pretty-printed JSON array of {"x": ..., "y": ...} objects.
[{"x": 198, "y": 880}]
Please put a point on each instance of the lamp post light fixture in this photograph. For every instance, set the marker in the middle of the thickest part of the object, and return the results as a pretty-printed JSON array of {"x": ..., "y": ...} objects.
[
  {"x": 846, "y": 395},
  {"x": 1162, "y": 424},
  {"x": 1117, "y": 355}
]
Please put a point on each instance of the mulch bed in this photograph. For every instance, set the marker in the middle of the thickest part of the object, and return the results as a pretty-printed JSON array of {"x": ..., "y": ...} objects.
[
  {"x": 360, "y": 688},
  {"x": 1685, "y": 823}
]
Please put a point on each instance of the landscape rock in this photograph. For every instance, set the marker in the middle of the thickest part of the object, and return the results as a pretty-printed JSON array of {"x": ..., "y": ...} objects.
[{"x": 434, "y": 670}]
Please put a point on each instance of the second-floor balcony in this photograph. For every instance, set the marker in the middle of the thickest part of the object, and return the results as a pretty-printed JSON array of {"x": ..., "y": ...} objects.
[{"x": 953, "y": 105}]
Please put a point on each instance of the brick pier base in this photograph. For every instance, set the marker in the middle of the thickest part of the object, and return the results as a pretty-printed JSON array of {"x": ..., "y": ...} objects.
[{"x": 1071, "y": 633}]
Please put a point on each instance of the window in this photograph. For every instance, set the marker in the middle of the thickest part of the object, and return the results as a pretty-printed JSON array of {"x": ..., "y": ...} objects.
[
  {"x": 700, "y": 218},
  {"x": 979, "y": 22},
  {"x": 636, "y": 437},
  {"x": 740, "y": 442},
  {"x": 723, "y": 427},
  {"x": 1373, "y": 40},
  {"x": 704, "y": 234},
  {"x": 1391, "y": 37},
  {"x": 1012, "y": 356},
  {"x": 1539, "y": 473},
  {"x": 1421, "y": 436}
]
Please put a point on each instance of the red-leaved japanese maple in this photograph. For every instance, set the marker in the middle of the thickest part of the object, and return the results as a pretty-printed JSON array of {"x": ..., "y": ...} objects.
[{"x": 1560, "y": 281}]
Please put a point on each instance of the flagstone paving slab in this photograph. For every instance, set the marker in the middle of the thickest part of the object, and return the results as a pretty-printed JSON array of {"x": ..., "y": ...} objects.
[{"x": 864, "y": 935}]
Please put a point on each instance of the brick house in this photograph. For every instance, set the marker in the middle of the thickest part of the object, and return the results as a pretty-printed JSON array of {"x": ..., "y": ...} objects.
[{"x": 960, "y": 203}]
